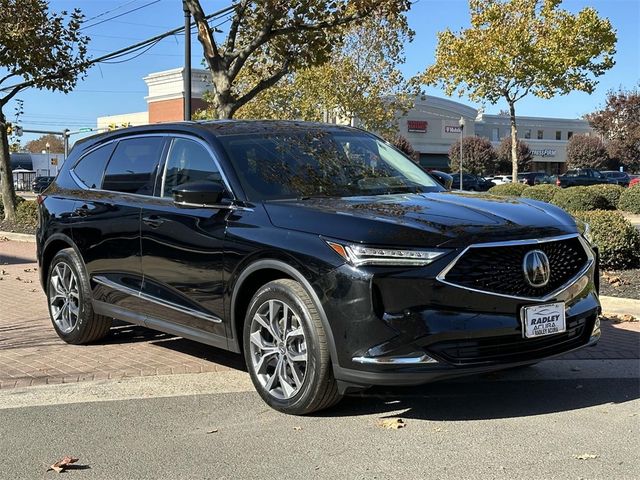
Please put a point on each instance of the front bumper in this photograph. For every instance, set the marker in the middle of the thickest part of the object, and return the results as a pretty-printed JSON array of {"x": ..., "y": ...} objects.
[{"x": 404, "y": 327}]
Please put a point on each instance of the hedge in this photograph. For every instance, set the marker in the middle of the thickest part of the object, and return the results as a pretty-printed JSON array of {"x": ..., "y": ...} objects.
[
  {"x": 578, "y": 199},
  {"x": 509, "y": 189},
  {"x": 27, "y": 213},
  {"x": 543, "y": 192},
  {"x": 630, "y": 199},
  {"x": 610, "y": 192},
  {"x": 617, "y": 239}
]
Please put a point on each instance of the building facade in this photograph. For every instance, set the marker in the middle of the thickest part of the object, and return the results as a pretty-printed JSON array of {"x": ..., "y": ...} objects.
[{"x": 432, "y": 126}]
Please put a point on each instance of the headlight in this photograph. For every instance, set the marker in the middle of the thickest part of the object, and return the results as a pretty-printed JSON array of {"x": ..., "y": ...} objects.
[{"x": 361, "y": 255}]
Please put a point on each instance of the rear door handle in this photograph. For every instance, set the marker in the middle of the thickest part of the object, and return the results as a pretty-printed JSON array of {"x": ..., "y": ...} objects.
[{"x": 153, "y": 221}]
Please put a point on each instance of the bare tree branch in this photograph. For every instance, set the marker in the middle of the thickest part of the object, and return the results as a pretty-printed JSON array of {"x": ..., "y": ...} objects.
[
  {"x": 235, "y": 25},
  {"x": 262, "y": 85},
  {"x": 204, "y": 31},
  {"x": 240, "y": 57}
]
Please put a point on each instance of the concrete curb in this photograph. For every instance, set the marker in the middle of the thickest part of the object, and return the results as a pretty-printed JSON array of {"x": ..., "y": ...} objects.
[
  {"x": 18, "y": 237},
  {"x": 620, "y": 306}
]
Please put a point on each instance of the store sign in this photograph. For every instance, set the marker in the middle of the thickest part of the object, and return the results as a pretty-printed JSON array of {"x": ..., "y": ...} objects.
[
  {"x": 452, "y": 129},
  {"x": 543, "y": 152},
  {"x": 419, "y": 126}
]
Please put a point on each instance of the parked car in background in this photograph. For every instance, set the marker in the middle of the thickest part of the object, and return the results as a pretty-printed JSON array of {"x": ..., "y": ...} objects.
[
  {"x": 470, "y": 182},
  {"x": 320, "y": 253},
  {"x": 634, "y": 180},
  {"x": 581, "y": 177},
  {"x": 500, "y": 179},
  {"x": 614, "y": 176},
  {"x": 533, "y": 178},
  {"x": 39, "y": 184}
]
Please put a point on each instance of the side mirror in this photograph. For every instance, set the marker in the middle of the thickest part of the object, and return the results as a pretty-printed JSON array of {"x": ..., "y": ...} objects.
[{"x": 199, "y": 194}]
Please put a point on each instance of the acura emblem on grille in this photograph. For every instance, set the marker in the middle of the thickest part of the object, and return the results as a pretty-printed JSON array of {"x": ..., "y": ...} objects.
[{"x": 537, "y": 270}]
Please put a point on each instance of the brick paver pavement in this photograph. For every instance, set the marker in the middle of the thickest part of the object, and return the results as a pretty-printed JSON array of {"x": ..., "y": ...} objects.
[{"x": 32, "y": 354}]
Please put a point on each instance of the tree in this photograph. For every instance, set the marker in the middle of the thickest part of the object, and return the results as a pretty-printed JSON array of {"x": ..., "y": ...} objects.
[
  {"x": 619, "y": 123},
  {"x": 478, "y": 156},
  {"x": 587, "y": 151},
  {"x": 505, "y": 154},
  {"x": 361, "y": 82},
  {"x": 39, "y": 49},
  {"x": 517, "y": 47},
  {"x": 56, "y": 145},
  {"x": 272, "y": 38}
]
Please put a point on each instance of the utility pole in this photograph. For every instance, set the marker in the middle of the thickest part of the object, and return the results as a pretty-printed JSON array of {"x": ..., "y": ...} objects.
[{"x": 187, "y": 62}]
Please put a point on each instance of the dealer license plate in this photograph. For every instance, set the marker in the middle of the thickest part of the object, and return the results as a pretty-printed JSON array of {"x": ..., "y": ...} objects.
[{"x": 541, "y": 320}]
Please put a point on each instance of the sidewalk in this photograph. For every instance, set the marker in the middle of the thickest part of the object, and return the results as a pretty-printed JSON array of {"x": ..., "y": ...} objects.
[{"x": 32, "y": 354}]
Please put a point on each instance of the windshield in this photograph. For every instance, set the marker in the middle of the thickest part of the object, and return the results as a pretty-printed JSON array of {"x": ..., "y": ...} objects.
[{"x": 317, "y": 163}]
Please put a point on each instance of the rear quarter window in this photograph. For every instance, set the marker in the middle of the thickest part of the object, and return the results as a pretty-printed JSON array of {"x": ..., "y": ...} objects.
[{"x": 91, "y": 167}]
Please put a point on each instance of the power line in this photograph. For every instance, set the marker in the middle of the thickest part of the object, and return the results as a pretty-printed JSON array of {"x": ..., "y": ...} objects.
[
  {"x": 121, "y": 14},
  {"x": 136, "y": 47},
  {"x": 106, "y": 12}
]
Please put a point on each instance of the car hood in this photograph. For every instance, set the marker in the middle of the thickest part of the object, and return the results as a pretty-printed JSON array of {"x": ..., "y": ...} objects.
[{"x": 444, "y": 219}]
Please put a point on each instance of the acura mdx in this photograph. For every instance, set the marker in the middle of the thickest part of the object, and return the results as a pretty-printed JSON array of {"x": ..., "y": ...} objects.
[{"x": 325, "y": 256}]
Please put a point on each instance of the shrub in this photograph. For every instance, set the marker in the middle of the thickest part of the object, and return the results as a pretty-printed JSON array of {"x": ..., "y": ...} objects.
[
  {"x": 543, "y": 192},
  {"x": 617, "y": 239},
  {"x": 27, "y": 213},
  {"x": 578, "y": 199},
  {"x": 509, "y": 189},
  {"x": 630, "y": 199},
  {"x": 610, "y": 192}
]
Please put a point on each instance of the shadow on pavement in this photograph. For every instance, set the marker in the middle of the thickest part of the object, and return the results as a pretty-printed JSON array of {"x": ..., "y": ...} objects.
[
  {"x": 14, "y": 260},
  {"x": 480, "y": 399}
]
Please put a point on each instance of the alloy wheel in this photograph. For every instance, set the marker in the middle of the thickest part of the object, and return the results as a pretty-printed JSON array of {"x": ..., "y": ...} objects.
[
  {"x": 64, "y": 297},
  {"x": 278, "y": 349}
]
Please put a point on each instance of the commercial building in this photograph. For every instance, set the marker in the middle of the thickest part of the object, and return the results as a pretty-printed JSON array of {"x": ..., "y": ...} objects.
[{"x": 432, "y": 126}]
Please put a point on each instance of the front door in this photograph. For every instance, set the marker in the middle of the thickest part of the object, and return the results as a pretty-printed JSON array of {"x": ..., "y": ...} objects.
[{"x": 182, "y": 249}]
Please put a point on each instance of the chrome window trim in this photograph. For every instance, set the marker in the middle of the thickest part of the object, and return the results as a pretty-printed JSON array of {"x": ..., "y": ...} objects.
[
  {"x": 150, "y": 298},
  {"x": 417, "y": 360},
  {"x": 536, "y": 241},
  {"x": 171, "y": 135}
]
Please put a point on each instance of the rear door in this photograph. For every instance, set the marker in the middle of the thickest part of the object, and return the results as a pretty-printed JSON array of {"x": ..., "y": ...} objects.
[
  {"x": 182, "y": 248},
  {"x": 116, "y": 177}
]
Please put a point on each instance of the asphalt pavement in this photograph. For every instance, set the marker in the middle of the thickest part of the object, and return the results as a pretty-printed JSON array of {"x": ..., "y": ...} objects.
[{"x": 557, "y": 420}]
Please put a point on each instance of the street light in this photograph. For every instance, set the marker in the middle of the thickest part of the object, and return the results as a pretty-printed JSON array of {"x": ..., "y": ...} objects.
[
  {"x": 461, "y": 122},
  {"x": 48, "y": 147}
]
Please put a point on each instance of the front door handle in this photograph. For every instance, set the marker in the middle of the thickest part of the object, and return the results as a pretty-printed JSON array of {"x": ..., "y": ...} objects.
[
  {"x": 82, "y": 211},
  {"x": 153, "y": 221}
]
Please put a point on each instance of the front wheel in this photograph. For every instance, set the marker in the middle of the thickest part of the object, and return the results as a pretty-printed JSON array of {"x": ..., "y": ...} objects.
[{"x": 286, "y": 350}]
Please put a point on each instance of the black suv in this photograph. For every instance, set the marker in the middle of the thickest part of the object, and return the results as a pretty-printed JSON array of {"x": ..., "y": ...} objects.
[
  {"x": 322, "y": 253},
  {"x": 40, "y": 184}
]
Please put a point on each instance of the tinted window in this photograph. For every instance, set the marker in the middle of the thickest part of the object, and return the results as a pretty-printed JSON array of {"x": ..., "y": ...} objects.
[
  {"x": 188, "y": 161},
  {"x": 133, "y": 165},
  {"x": 319, "y": 163},
  {"x": 91, "y": 167}
]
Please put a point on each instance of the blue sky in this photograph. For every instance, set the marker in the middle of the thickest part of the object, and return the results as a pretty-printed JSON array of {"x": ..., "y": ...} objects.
[{"x": 118, "y": 88}]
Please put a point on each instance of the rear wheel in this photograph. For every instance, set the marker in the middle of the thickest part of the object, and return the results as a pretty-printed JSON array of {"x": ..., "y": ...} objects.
[
  {"x": 69, "y": 297},
  {"x": 286, "y": 350}
]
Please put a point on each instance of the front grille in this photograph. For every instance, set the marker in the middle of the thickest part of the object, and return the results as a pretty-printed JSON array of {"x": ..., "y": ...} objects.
[
  {"x": 498, "y": 269},
  {"x": 514, "y": 348}
]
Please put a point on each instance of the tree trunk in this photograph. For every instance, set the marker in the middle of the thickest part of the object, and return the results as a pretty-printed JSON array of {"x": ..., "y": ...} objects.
[
  {"x": 223, "y": 101},
  {"x": 514, "y": 142},
  {"x": 6, "y": 178}
]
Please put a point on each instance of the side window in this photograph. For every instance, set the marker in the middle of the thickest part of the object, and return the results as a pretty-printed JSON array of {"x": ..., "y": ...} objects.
[
  {"x": 91, "y": 167},
  {"x": 133, "y": 166},
  {"x": 188, "y": 161}
]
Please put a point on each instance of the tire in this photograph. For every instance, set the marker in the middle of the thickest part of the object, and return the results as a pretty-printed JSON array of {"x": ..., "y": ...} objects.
[
  {"x": 68, "y": 283},
  {"x": 279, "y": 354}
]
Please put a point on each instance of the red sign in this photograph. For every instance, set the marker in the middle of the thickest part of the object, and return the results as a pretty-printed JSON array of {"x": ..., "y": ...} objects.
[{"x": 417, "y": 126}]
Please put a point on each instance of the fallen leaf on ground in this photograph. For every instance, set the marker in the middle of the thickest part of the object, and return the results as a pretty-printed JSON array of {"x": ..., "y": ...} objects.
[
  {"x": 392, "y": 423},
  {"x": 616, "y": 318},
  {"x": 585, "y": 456},
  {"x": 215, "y": 430},
  {"x": 614, "y": 280},
  {"x": 297, "y": 429},
  {"x": 61, "y": 465}
]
